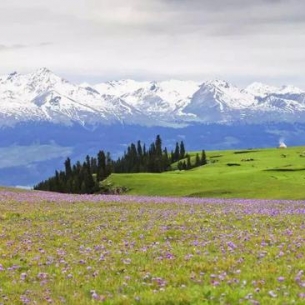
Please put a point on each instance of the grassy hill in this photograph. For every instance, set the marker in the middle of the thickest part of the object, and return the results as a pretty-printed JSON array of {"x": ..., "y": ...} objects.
[{"x": 254, "y": 173}]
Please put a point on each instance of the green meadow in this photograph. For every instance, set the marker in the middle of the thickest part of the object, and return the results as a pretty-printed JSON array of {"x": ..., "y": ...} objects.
[{"x": 253, "y": 173}]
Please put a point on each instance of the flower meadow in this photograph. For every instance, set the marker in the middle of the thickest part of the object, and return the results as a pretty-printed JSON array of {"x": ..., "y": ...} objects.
[{"x": 97, "y": 249}]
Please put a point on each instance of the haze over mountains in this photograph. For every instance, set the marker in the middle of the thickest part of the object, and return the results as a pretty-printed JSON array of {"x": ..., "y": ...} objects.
[
  {"x": 43, "y": 96},
  {"x": 45, "y": 118}
]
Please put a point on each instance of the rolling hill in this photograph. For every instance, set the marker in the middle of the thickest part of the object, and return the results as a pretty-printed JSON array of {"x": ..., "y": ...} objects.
[{"x": 254, "y": 173}]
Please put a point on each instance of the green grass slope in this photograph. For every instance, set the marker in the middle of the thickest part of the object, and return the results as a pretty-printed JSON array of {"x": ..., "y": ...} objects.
[{"x": 262, "y": 173}]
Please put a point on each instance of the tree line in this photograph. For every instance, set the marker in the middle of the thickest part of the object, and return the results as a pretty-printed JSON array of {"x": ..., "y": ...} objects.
[
  {"x": 155, "y": 159},
  {"x": 80, "y": 178},
  {"x": 85, "y": 178}
]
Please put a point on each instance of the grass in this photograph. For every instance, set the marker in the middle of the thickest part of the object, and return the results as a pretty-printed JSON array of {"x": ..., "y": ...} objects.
[
  {"x": 63, "y": 249},
  {"x": 259, "y": 173}
]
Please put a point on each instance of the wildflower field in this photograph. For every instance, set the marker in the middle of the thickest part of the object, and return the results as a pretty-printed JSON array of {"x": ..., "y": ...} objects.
[{"x": 73, "y": 249}]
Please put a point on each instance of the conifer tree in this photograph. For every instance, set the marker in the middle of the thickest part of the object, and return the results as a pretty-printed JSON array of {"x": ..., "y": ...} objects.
[
  {"x": 182, "y": 151},
  {"x": 172, "y": 157},
  {"x": 101, "y": 166},
  {"x": 166, "y": 161},
  {"x": 180, "y": 166},
  {"x": 68, "y": 168},
  {"x": 188, "y": 162},
  {"x": 139, "y": 149},
  {"x": 158, "y": 157},
  {"x": 203, "y": 158},
  {"x": 197, "y": 162},
  {"x": 108, "y": 165},
  {"x": 177, "y": 153}
]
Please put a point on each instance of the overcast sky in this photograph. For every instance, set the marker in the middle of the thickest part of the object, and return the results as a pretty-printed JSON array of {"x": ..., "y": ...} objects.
[{"x": 240, "y": 41}]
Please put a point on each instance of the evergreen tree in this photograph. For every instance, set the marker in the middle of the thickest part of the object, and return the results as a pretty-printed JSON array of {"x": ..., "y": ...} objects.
[
  {"x": 203, "y": 158},
  {"x": 188, "y": 162},
  {"x": 101, "y": 166},
  {"x": 108, "y": 165},
  {"x": 134, "y": 160},
  {"x": 158, "y": 158},
  {"x": 158, "y": 145},
  {"x": 172, "y": 157},
  {"x": 144, "y": 150},
  {"x": 182, "y": 151},
  {"x": 197, "y": 162},
  {"x": 180, "y": 166},
  {"x": 177, "y": 153},
  {"x": 93, "y": 162},
  {"x": 88, "y": 163},
  {"x": 68, "y": 168},
  {"x": 166, "y": 161},
  {"x": 139, "y": 149},
  {"x": 89, "y": 184}
]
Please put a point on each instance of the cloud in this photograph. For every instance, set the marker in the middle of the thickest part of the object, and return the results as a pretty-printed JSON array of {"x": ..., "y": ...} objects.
[
  {"x": 98, "y": 40},
  {"x": 12, "y": 47},
  {"x": 20, "y": 46}
]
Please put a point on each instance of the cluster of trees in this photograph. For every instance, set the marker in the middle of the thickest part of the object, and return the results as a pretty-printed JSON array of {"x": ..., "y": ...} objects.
[
  {"x": 199, "y": 160},
  {"x": 138, "y": 159},
  {"x": 80, "y": 178},
  {"x": 85, "y": 178}
]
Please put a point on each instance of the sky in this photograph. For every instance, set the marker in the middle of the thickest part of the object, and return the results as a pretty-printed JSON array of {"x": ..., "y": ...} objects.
[{"x": 241, "y": 41}]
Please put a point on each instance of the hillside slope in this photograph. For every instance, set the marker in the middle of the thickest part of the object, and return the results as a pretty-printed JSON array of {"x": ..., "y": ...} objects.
[{"x": 264, "y": 173}]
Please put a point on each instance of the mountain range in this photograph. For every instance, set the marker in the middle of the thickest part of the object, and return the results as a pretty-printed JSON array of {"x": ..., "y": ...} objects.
[
  {"x": 43, "y": 96},
  {"x": 44, "y": 119}
]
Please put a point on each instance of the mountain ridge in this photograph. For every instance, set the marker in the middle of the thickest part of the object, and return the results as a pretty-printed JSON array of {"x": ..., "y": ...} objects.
[{"x": 42, "y": 96}]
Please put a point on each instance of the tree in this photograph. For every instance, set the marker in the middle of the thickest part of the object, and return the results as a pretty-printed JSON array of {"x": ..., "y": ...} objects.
[
  {"x": 166, "y": 161},
  {"x": 108, "y": 165},
  {"x": 93, "y": 164},
  {"x": 89, "y": 184},
  {"x": 182, "y": 150},
  {"x": 172, "y": 157},
  {"x": 180, "y": 165},
  {"x": 158, "y": 158},
  {"x": 177, "y": 153},
  {"x": 139, "y": 149},
  {"x": 203, "y": 158},
  {"x": 101, "y": 166},
  {"x": 188, "y": 162},
  {"x": 68, "y": 168},
  {"x": 197, "y": 162}
]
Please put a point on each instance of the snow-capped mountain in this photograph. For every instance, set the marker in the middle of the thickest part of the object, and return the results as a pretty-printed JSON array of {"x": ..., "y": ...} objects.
[{"x": 43, "y": 96}]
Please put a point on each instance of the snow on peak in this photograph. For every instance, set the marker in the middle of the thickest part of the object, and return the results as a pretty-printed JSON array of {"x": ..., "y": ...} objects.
[
  {"x": 218, "y": 83},
  {"x": 119, "y": 87},
  {"x": 289, "y": 89},
  {"x": 85, "y": 85},
  {"x": 43, "y": 70},
  {"x": 226, "y": 94},
  {"x": 45, "y": 75},
  {"x": 151, "y": 96},
  {"x": 260, "y": 90},
  {"x": 10, "y": 77}
]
